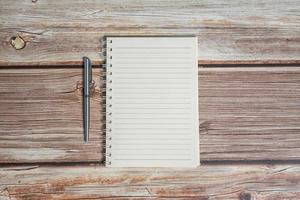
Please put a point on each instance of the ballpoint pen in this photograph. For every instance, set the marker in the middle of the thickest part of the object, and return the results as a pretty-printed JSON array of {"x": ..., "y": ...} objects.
[{"x": 87, "y": 79}]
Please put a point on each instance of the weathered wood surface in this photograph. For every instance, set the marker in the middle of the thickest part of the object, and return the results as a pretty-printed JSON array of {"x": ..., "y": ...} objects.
[
  {"x": 207, "y": 182},
  {"x": 61, "y": 32},
  {"x": 245, "y": 114},
  {"x": 250, "y": 113},
  {"x": 41, "y": 116}
]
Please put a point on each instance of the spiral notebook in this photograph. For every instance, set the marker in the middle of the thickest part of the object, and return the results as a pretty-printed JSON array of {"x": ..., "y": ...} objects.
[{"x": 152, "y": 102}]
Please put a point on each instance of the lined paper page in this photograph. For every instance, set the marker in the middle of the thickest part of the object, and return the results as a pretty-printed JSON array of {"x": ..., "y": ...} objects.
[{"x": 152, "y": 102}]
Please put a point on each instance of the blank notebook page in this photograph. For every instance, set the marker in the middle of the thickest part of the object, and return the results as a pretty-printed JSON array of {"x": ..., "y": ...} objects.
[{"x": 152, "y": 102}]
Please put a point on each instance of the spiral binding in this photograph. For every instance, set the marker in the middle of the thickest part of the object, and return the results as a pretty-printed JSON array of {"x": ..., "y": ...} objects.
[{"x": 107, "y": 83}]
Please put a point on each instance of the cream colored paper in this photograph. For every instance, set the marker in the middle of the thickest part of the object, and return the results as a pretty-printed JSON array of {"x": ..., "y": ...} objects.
[{"x": 152, "y": 102}]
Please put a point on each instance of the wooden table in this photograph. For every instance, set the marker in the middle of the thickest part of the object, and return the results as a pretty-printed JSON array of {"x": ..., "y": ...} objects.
[{"x": 249, "y": 99}]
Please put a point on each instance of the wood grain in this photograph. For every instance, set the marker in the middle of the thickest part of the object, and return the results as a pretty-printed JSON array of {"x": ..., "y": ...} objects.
[
  {"x": 231, "y": 32},
  {"x": 41, "y": 118},
  {"x": 207, "y": 182},
  {"x": 246, "y": 114},
  {"x": 249, "y": 113}
]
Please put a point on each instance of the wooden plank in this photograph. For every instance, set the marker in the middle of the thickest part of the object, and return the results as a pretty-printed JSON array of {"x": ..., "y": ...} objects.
[
  {"x": 231, "y": 32},
  {"x": 250, "y": 113},
  {"x": 41, "y": 116},
  {"x": 207, "y": 182},
  {"x": 245, "y": 114}
]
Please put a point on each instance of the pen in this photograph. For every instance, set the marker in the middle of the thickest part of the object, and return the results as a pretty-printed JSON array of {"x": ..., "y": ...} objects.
[{"x": 87, "y": 80}]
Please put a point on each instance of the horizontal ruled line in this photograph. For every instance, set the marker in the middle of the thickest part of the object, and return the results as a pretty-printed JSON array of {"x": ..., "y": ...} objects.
[
  {"x": 154, "y": 47},
  {"x": 140, "y": 63},
  {"x": 152, "y": 128},
  {"x": 140, "y": 113},
  {"x": 150, "y": 159},
  {"x": 151, "y": 144},
  {"x": 151, "y": 88},
  {"x": 152, "y": 73},
  {"x": 151, "y": 66},
  {"x": 152, "y": 78},
  {"x": 130, "y": 98},
  {"x": 169, "y": 52},
  {"x": 151, "y": 108},
  {"x": 146, "y": 83},
  {"x": 143, "y": 83},
  {"x": 154, "y": 139},
  {"x": 154, "y": 93},
  {"x": 152, "y": 154},
  {"x": 156, "y": 56},
  {"x": 158, "y": 149},
  {"x": 154, "y": 103},
  {"x": 162, "y": 123},
  {"x": 152, "y": 133}
]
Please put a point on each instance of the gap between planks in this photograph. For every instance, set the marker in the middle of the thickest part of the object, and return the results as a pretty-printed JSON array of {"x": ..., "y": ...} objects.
[{"x": 201, "y": 63}]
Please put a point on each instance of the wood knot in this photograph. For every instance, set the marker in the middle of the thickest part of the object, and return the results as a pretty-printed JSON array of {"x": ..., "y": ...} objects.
[
  {"x": 245, "y": 196},
  {"x": 93, "y": 90},
  {"x": 17, "y": 42},
  {"x": 79, "y": 86}
]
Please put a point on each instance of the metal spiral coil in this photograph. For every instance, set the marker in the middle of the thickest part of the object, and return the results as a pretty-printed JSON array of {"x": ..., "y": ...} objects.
[{"x": 106, "y": 81}]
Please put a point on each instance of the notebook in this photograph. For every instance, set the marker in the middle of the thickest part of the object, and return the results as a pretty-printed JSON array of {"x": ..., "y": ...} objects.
[{"x": 152, "y": 102}]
